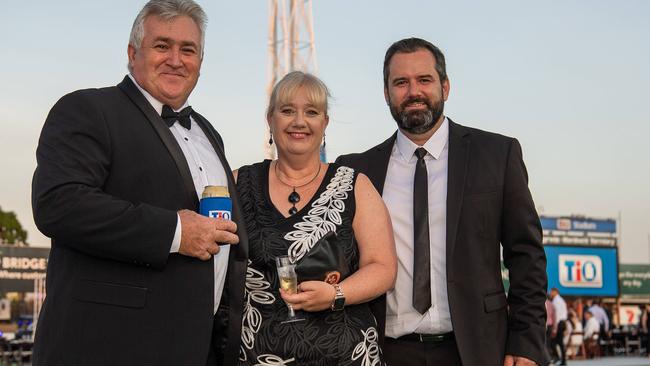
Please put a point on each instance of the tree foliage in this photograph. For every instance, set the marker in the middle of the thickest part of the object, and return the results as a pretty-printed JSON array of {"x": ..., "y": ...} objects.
[{"x": 11, "y": 231}]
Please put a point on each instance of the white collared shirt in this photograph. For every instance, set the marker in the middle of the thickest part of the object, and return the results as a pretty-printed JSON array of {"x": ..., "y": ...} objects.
[
  {"x": 206, "y": 169},
  {"x": 561, "y": 312},
  {"x": 599, "y": 313},
  {"x": 592, "y": 328},
  {"x": 401, "y": 317}
]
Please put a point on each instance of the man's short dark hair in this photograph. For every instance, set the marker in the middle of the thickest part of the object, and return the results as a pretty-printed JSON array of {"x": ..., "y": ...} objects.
[{"x": 410, "y": 45}]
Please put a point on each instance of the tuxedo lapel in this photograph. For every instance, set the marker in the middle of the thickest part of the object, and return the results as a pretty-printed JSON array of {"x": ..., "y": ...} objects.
[
  {"x": 235, "y": 279},
  {"x": 459, "y": 147},
  {"x": 165, "y": 135},
  {"x": 240, "y": 250}
]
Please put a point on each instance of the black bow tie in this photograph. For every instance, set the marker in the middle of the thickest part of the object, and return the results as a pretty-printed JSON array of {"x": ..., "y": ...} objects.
[{"x": 183, "y": 117}]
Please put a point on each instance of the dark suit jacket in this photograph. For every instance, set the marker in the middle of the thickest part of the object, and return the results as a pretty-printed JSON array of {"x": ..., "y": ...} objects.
[
  {"x": 488, "y": 203},
  {"x": 109, "y": 181}
]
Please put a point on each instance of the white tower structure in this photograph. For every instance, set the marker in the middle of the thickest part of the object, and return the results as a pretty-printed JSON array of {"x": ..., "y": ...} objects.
[{"x": 291, "y": 45}]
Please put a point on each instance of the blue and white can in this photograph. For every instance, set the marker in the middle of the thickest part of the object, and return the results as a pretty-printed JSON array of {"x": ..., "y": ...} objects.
[{"x": 216, "y": 203}]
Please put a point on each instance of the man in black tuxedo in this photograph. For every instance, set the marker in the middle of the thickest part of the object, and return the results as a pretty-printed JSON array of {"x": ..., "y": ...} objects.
[
  {"x": 135, "y": 275},
  {"x": 454, "y": 194}
]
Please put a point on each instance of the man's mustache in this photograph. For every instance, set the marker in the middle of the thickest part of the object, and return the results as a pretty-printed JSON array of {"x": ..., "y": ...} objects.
[{"x": 415, "y": 100}]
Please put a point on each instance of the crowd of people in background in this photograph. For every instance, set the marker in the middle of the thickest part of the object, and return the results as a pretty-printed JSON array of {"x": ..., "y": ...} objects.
[{"x": 583, "y": 328}]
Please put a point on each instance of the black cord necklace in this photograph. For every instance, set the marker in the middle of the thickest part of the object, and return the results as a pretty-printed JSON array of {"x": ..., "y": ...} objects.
[{"x": 294, "y": 197}]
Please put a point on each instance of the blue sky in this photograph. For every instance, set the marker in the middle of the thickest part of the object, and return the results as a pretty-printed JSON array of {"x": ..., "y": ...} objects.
[{"x": 569, "y": 79}]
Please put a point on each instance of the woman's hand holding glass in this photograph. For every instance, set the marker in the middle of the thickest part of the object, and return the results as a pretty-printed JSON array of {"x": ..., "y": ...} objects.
[
  {"x": 288, "y": 283},
  {"x": 311, "y": 296}
]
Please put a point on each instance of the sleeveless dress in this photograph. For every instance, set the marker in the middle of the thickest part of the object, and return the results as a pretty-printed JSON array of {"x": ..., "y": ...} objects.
[{"x": 347, "y": 337}]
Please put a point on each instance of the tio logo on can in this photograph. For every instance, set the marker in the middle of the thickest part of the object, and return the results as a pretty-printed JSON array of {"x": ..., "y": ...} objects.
[
  {"x": 219, "y": 214},
  {"x": 216, "y": 203},
  {"x": 581, "y": 271}
]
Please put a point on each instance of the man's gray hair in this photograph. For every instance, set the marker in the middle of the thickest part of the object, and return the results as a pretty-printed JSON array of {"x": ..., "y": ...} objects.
[{"x": 168, "y": 10}]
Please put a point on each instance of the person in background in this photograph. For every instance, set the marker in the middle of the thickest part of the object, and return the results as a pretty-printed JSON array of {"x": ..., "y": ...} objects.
[
  {"x": 645, "y": 326},
  {"x": 550, "y": 323},
  {"x": 601, "y": 315},
  {"x": 574, "y": 338},
  {"x": 561, "y": 316},
  {"x": 592, "y": 326},
  {"x": 135, "y": 274}
]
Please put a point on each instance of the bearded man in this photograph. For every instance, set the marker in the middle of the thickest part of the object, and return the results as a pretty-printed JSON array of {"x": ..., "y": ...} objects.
[{"x": 456, "y": 195}]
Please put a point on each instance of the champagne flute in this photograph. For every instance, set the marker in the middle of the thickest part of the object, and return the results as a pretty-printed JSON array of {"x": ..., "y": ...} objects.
[{"x": 288, "y": 282}]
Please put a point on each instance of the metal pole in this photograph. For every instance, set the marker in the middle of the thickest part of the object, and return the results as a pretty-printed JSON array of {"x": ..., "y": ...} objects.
[
  {"x": 288, "y": 19},
  {"x": 37, "y": 290},
  {"x": 620, "y": 233}
]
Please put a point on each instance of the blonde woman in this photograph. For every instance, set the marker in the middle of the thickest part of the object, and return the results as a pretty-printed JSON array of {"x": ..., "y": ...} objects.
[{"x": 289, "y": 204}]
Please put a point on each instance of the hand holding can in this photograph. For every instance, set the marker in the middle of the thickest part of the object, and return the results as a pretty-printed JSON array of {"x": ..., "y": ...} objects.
[{"x": 201, "y": 234}]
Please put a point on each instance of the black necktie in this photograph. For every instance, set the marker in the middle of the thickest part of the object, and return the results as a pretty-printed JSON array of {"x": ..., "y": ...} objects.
[
  {"x": 183, "y": 117},
  {"x": 421, "y": 260}
]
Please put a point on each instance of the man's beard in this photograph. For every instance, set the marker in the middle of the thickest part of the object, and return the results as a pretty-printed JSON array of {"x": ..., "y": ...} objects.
[{"x": 418, "y": 121}]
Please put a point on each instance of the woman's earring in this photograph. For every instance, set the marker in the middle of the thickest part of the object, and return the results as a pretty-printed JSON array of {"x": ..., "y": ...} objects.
[
  {"x": 324, "y": 140},
  {"x": 270, "y": 137}
]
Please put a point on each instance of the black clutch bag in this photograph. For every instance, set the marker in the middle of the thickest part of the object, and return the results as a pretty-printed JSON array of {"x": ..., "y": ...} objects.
[{"x": 324, "y": 262}]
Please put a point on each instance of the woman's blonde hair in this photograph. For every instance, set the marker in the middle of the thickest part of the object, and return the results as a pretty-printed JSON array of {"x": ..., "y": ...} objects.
[{"x": 286, "y": 88}]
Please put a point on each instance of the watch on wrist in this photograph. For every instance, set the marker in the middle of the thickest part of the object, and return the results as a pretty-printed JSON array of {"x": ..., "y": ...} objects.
[{"x": 339, "y": 299}]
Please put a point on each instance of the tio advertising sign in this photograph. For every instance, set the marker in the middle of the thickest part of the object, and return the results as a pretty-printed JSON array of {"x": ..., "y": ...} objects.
[{"x": 582, "y": 271}]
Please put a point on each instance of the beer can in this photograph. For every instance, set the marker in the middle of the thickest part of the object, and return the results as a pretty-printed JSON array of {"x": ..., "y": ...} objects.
[{"x": 216, "y": 203}]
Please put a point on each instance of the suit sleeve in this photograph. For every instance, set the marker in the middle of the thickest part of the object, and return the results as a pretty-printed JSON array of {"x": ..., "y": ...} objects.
[
  {"x": 525, "y": 259},
  {"x": 69, "y": 204}
]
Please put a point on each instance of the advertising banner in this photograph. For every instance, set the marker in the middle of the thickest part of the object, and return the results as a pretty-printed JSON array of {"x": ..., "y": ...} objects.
[
  {"x": 20, "y": 266},
  {"x": 635, "y": 280},
  {"x": 578, "y": 224},
  {"x": 582, "y": 271},
  {"x": 629, "y": 315}
]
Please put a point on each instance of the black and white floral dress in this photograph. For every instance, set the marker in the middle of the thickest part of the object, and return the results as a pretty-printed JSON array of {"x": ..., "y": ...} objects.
[{"x": 347, "y": 337}]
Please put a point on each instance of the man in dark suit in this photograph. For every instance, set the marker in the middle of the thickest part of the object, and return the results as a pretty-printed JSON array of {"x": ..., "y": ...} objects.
[
  {"x": 135, "y": 275},
  {"x": 454, "y": 194}
]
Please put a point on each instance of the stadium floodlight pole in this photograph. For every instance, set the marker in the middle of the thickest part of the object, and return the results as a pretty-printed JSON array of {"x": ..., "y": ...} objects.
[
  {"x": 620, "y": 233},
  {"x": 291, "y": 47}
]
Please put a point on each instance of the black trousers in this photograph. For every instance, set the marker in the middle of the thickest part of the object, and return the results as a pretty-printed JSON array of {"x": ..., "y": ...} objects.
[
  {"x": 213, "y": 359},
  {"x": 549, "y": 353},
  {"x": 558, "y": 341},
  {"x": 406, "y": 353}
]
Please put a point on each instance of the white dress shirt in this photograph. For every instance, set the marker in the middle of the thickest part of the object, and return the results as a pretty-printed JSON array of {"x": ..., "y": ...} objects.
[
  {"x": 592, "y": 328},
  {"x": 559, "y": 305},
  {"x": 206, "y": 169},
  {"x": 401, "y": 317},
  {"x": 600, "y": 315}
]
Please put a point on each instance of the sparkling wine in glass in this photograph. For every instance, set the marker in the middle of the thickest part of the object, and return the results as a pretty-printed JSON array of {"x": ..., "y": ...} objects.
[{"x": 288, "y": 282}]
